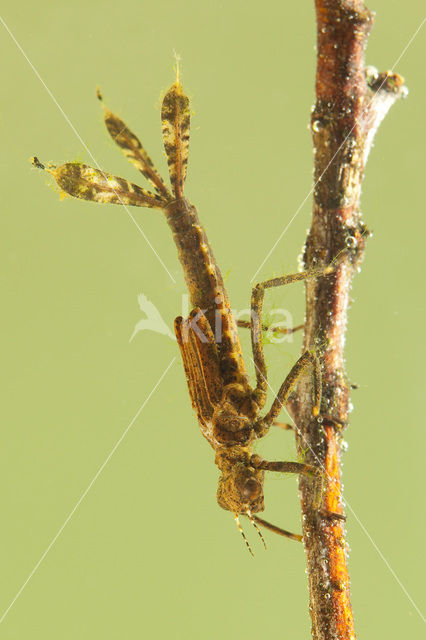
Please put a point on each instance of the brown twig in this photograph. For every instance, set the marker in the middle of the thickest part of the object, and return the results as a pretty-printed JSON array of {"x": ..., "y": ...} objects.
[{"x": 350, "y": 104}]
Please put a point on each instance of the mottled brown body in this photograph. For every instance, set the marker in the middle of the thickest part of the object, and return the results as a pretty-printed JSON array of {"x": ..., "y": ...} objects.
[
  {"x": 227, "y": 407},
  {"x": 206, "y": 288}
]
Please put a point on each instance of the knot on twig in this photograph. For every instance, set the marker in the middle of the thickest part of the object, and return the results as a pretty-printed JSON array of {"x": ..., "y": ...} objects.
[{"x": 386, "y": 82}]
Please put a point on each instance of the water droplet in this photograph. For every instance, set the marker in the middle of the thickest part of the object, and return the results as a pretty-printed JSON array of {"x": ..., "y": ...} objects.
[
  {"x": 371, "y": 74},
  {"x": 316, "y": 126},
  {"x": 300, "y": 261},
  {"x": 351, "y": 242}
]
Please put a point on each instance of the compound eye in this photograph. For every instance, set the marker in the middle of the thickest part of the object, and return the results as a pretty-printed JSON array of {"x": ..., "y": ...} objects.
[{"x": 251, "y": 489}]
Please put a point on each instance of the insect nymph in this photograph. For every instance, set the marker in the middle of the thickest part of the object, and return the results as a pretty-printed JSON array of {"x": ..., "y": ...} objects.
[{"x": 227, "y": 407}]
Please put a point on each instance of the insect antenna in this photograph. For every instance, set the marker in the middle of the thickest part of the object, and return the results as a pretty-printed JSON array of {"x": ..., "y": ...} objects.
[
  {"x": 250, "y": 517},
  {"x": 240, "y": 529}
]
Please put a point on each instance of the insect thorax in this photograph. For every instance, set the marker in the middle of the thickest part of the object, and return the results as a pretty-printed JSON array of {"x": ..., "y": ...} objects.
[{"x": 234, "y": 417}]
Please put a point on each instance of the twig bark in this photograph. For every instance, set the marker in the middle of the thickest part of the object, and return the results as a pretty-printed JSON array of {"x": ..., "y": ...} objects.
[{"x": 351, "y": 101}]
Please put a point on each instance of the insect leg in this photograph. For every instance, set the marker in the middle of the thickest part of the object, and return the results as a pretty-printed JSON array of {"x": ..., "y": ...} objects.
[
  {"x": 284, "y": 467},
  {"x": 283, "y": 425},
  {"x": 275, "y": 529},
  {"x": 257, "y": 298},
  {"x": 246, "y": 324},
  {"x": 308, "y": 359},
  {"x": 293, "y": 467}
]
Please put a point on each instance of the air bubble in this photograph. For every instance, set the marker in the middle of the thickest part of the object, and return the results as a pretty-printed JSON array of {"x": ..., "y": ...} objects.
[
  {"x": 371, "y": 74},
  {"x": 351, "y": 242}
]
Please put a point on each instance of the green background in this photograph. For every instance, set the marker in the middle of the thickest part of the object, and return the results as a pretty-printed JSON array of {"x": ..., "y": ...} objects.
[{"x": 148, "y": 553}]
